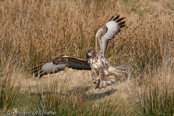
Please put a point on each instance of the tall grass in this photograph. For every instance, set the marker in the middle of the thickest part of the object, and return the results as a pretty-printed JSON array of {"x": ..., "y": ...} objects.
[
  {"x": 37, "y": 31},
  {"x": 157, "y": 97},
  {"x": 9, "y": 90},
  {"x": 77, "y": 102}
]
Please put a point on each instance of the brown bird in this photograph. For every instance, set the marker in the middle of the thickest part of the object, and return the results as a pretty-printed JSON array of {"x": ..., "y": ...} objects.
[{"x": 95, "y": 59}]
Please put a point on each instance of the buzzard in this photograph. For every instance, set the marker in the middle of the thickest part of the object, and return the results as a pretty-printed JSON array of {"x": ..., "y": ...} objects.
[{"x": 102, "y": 72}]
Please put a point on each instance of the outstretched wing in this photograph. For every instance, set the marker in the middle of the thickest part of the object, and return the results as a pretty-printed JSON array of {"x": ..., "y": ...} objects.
[
  {"x": 60, "y": 63},
  {"x": 111, "y": 28}
]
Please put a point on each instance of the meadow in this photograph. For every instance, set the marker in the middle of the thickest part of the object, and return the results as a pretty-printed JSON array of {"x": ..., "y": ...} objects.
[{"x": 35, "y": 31}]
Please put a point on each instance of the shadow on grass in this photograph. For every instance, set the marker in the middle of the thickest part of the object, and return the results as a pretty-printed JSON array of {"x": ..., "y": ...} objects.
[{"x": 80, "y": 92}]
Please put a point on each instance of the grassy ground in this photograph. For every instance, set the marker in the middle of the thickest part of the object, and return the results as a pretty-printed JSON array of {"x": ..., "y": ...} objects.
[{"x": 36, "y": 31}]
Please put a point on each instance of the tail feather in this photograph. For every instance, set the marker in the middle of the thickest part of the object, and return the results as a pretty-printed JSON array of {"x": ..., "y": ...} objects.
[
  {"x": 119, "y": 70},
  {"x": 114, "y": 72}
]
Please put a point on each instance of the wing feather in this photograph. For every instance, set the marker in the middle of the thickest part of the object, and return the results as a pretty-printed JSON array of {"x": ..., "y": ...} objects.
[
  {"x": 111, "y": 18},
  {"x": 119, "y": 20},
  {"x": 113, "y": 27},
  {"x": 60, "y": 63},
  {"x": 115, "y": 18},
  {"x": 98, "y": 44}
]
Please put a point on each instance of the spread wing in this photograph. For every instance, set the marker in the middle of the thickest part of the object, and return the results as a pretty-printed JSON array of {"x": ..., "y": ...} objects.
[
  {"x": 60, "y": 63},
  {"x": 107, "y": 32}
]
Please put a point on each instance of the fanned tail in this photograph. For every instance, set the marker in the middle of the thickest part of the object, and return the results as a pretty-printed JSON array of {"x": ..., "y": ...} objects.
[{"x": 119, "y": 70}]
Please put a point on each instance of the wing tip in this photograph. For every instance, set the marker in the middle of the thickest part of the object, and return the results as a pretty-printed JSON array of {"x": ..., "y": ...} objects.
[
  {"x": 116, "y": 17},
  {"x": 37, "y": 71},
  {"x": 111, "y": 18},
  {"x": 118, "y": 20}
]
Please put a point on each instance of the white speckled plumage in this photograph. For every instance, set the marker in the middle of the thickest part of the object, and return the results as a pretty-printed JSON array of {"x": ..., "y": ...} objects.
[{"x": 112, "y": 29}]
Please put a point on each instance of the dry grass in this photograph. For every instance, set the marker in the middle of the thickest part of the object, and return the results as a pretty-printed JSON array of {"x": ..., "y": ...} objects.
[{"x": 36, "y": 31}]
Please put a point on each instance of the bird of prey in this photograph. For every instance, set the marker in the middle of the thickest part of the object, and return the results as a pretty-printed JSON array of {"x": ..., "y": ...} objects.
[{"x": 102, "y": 71}]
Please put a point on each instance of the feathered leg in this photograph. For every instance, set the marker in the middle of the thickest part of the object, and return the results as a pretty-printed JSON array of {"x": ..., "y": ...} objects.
[
  {"x": 94, "y": 76},
  {"x": 102, "y": 81}
]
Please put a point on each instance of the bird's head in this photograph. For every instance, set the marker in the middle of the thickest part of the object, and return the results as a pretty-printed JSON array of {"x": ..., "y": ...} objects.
[{"x": 90, "y": 53}]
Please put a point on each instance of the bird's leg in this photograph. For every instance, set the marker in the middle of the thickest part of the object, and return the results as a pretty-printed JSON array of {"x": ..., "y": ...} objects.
[
  {"x": 94, "y": 76},
  {"x": 101, "y": 74},
  {"x": 102, "y": 82}
]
